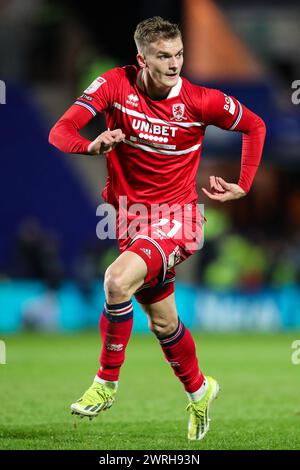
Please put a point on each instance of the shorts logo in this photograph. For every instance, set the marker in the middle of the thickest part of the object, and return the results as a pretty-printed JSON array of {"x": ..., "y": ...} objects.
[
  {"x": 95, "y": 85},
  {"x": 174, "y": 257},
  {"x": 132, "y": 100},
  {"x": 147, "y": 251},
  {"x": 114, "y": 347},
  {"x": 178, "y": 112}
]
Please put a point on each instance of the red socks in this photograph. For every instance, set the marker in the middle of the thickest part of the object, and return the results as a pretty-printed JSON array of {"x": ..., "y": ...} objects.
[
  {"x": 179, "y": 347},
  {"x": 180, "y": 351},
  {"x": 115, "y": 327}
]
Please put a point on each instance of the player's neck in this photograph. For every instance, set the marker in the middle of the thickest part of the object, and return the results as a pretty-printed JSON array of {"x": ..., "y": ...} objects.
[{"x": 153, "y": 91}]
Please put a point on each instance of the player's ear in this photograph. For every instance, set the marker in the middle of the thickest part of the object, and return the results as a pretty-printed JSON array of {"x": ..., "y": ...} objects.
[{"x": 141, "y": 60}]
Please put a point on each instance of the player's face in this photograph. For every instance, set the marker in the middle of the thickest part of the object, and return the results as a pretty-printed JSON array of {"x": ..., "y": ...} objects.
[{"x": 163, "y": 62}]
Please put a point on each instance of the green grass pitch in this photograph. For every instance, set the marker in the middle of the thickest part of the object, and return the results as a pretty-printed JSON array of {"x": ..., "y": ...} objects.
[{"x": 258, "y": 406}]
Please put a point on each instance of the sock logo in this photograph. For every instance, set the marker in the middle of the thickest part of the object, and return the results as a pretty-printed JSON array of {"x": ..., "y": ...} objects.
[
  {"x": 174, "y": 364},
  {"x": 114, "y": 347},
  {"x": 147, "y": 251}
]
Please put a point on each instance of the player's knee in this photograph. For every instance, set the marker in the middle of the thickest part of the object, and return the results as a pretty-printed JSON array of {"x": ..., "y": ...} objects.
[
  {"x": 115, "y": 284},
  {"x": 162, "y": 327}
]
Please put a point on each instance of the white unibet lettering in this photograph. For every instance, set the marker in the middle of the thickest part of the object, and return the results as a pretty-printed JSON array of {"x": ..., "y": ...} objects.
[
  {"x": 136, "y": 124},
  {"x": 144, "y": 127}
]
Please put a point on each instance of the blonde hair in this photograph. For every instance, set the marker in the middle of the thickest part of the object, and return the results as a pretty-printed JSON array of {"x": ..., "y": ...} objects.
[{"x": 153, "y": 29}]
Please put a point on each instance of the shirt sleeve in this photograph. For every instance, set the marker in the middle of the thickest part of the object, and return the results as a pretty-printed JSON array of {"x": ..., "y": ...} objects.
[
  {"x": 220, "y": 110},
  {"x": 228, "y": 113},
  {"x": 97, "y": 97}
]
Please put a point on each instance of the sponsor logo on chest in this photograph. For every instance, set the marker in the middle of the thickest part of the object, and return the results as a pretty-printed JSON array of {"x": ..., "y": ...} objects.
[{"x": 155, "y": 129}]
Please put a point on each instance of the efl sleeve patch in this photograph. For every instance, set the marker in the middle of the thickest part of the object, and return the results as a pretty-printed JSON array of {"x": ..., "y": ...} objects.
[{"x": 95, "y": 85}]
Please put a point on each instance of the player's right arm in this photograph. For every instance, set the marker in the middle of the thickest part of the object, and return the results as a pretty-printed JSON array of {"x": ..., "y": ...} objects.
[{"x": 97, "y": 97}]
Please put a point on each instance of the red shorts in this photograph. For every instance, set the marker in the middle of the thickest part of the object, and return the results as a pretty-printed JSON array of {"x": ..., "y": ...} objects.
[{"x": 163, "y": 241}]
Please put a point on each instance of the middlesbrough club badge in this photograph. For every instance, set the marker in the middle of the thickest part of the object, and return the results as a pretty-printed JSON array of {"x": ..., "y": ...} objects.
[{"x": 178, "y": 112}]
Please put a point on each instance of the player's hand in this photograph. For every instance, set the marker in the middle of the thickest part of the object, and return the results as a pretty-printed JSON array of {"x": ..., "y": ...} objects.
[
  {"x": 222, "y": 191},
  {"x": 106, "y": 141}
]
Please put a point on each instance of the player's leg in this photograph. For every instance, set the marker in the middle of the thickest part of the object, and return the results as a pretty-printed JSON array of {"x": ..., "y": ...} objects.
[
  {"x": 123, "y": 277},
  {"x": 176, "y": 342},
  {"x": 180, "y": 351}
]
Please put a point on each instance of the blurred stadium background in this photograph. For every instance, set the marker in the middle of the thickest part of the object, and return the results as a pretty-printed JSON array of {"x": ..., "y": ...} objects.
[{"x": 246, "y": 278}]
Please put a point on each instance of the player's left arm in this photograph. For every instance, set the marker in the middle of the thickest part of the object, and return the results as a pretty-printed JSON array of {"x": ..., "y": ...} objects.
[{"x": 228, "y": 113}]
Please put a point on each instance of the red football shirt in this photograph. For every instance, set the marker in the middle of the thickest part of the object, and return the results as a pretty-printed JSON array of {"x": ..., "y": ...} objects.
[{"x": 158, "y": 161}]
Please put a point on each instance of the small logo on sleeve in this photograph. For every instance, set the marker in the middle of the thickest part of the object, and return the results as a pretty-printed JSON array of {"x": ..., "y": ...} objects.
[{"x": 95, "y": 85}]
